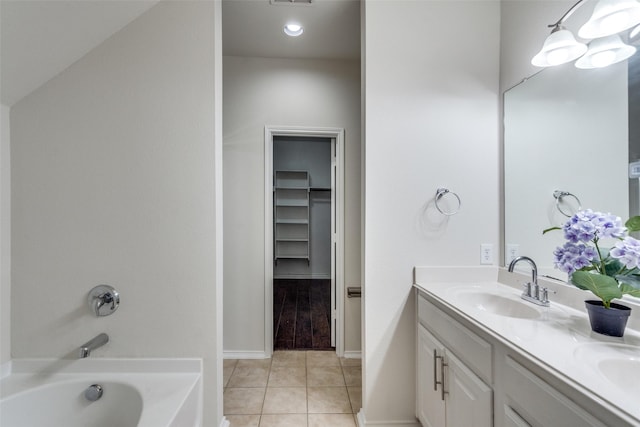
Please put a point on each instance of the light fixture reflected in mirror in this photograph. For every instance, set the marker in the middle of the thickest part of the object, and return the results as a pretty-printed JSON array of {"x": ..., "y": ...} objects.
[{"x": 604, "y": 52}]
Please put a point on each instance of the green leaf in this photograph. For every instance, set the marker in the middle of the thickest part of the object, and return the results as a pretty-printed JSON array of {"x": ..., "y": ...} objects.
[
  {"x": 578, "y": 285},
  {"x": 552, "y": 228},
  {"x": 629, "y": 290},
  {"x": 604, "y": 287},
  {"x": 631, "y": 280},
  {"x": 629, "y": 285},
  {"x": 612, "y": 266},
  {"x": 633, "y": 223}
]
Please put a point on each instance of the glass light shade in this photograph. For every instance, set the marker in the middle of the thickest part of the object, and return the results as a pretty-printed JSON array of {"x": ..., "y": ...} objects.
[
  {"x": 605, "y": 51},
  {"x": 634, "y": 33},
  {"x": 293, "y": 30},
  {"x": 559, "y": 48},
  {"x": 611, "y": 17}
]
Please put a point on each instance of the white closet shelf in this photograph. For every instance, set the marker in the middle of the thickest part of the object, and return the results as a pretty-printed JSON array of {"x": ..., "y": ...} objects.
[
  {"x": 302, "y": 203},
  {"x": 291, "y": 217},
  {"x": 292, "y": 221}
]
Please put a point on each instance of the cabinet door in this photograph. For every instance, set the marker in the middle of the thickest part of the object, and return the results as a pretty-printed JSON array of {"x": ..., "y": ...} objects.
[
  {"x": 540, "y": 404},
  {"x": 469, "y": 400},
  {"x": 430, "y": 406}
]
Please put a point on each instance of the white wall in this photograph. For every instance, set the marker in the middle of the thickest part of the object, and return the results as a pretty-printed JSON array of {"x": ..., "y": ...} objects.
[
  {"x": 280, "y": 92},
  {"x": 115, "y": 179},
  {"x": 5, "y": 236},
  {"x": 432, "y": 120}
]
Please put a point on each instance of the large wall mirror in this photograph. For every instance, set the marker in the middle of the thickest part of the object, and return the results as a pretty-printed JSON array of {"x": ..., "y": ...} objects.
[{"x": 574, "y": 131}]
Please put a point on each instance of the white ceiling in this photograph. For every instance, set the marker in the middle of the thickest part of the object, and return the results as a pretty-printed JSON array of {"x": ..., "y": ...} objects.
[
  {"x": 255, "y": 28},
  {"x": 41, "y": 38}
]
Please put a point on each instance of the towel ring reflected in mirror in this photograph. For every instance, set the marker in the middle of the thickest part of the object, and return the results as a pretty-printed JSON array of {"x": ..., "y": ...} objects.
[
  {"x": 559, "y": 195},
  {"x": 442, "y": 192}
]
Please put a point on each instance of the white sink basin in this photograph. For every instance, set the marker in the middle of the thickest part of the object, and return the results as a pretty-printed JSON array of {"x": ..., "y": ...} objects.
[
  {"x": 508, "y": 305},
  {"x": 619, "y": 364}
]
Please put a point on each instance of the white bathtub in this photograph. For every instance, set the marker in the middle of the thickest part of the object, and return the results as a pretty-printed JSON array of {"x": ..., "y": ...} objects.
[{"x": 137, "y": 392}]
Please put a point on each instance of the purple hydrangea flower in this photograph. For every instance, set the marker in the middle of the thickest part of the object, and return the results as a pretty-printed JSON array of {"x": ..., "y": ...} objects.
[
  {"x": 628, "y": 252},
  {"x": 574, "y": 256},
  {"x": 587, "y": 225}
]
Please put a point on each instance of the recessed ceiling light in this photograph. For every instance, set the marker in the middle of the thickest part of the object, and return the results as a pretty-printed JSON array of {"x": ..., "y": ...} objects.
[{"x": 293, "y": 30}]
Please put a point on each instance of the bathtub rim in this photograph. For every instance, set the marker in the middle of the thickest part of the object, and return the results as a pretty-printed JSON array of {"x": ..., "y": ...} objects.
[
  {"x": 29, "y": 374},
  {"x": 115, "y": 365}
]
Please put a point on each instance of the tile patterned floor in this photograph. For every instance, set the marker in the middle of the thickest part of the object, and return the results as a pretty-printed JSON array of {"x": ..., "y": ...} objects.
[{"x": 293, "y": 389}]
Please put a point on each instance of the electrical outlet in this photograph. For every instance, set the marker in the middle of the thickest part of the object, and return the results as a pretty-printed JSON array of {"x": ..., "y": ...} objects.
[
  {"x": 513, "y": 251},
  {"x": 486, "y": 253}
]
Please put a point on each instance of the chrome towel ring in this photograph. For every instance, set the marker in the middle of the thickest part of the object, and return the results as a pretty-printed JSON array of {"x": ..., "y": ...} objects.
[
  {"x": 440, "y": 193},
  {"x": 559, "y": 194}
]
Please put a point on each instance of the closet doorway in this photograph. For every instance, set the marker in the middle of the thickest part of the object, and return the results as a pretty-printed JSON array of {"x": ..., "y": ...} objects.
[{"x": 303, "y": 243}]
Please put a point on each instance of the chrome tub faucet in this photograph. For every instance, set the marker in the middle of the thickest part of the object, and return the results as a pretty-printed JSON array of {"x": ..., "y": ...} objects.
[{"x": 98, "y": 341}]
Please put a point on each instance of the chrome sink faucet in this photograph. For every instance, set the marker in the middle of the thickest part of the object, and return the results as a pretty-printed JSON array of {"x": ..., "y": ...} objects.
[
  {"x": 98, "y": 341},
  {"x": 532, "y": 291}
]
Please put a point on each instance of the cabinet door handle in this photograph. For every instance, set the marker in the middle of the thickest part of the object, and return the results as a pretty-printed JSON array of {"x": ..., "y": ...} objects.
[
  {"x": 442, "y": 366},
  {"x": 435, "y": 370}
]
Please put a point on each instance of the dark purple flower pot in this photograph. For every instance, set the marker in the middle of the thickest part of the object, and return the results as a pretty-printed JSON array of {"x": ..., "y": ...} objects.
[{"x": 607, "y": 321}]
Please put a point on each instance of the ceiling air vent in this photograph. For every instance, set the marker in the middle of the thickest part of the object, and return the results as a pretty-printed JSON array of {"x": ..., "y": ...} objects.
[{"x": 290, "y": 1}]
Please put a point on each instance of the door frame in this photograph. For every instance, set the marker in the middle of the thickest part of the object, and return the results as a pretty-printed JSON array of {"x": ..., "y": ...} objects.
[{"x": 338, "y": 235}]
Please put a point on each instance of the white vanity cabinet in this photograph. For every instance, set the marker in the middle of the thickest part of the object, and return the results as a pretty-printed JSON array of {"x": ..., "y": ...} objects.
[
  {"x": 449, "y": 393},
  {"x": 469, "y": 376},
  {"x": 533, "y": 402}
]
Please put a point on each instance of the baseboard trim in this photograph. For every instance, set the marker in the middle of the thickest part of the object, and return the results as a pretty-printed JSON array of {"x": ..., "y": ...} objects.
[
  {"x": 353, "y": 355},
  {"x": 224, "y": 422},
  {"x": 244, "y": 355},
  {"x": 362, "y": 422}
]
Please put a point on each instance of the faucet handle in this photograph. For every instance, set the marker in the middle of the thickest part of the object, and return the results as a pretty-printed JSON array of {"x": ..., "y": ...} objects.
[
  {"x": 545, "y": 295},
  {"x": 103, "y": 300},
  {"x": 527, "y": 289}
]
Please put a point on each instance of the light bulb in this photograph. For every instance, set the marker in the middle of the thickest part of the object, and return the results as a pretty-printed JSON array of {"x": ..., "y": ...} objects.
[
  {"x": 605, "y": 51},
  {"x": 602, "y": 59},
  {"x": 293, "y": 30},
  {"x": 557, "y": 57}
]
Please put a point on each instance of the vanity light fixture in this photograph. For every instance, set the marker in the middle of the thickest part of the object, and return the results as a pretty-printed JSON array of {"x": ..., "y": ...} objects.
[
  {"x": 605, "y": 51},
  {"x": 293, "y": 30},
  {"x": 559, "y": 48},
  {"x": 609, "y": 18},
  {"x": 634, "y": 33}
]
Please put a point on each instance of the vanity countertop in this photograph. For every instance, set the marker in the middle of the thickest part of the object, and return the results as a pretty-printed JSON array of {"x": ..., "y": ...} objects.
[{"x": 556, "y": 338}]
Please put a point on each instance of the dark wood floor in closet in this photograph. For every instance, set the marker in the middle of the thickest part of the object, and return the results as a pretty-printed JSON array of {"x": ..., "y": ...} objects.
[{"x": 301, "y": 314}]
